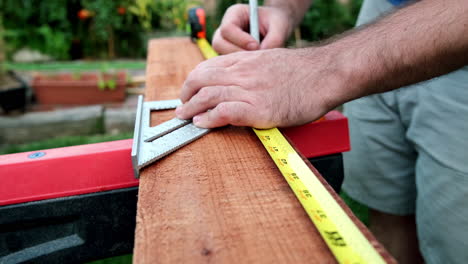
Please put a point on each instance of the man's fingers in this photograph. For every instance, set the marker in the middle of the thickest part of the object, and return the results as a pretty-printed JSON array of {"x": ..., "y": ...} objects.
[
  {"x": 222, "y": 46},
  {"x": 234, "y": 34},
  {"x": 275, "y": 37},
  {"x": 201, "y": 76},
  {"x": 226, "y": 113},
  {"x": 207, "y": 98}
]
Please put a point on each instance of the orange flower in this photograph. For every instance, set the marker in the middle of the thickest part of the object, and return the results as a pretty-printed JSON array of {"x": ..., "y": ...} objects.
[
  {"x": 84, "y": 14},
  {"x": 121, "y": 10}
]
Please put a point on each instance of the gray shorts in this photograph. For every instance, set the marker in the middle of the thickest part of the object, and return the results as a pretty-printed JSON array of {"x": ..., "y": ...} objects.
[{"x": 410, "y": 156}]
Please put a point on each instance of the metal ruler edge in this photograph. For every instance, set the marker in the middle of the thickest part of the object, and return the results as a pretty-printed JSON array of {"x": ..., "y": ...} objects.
[{"x": 153, "y": 143}]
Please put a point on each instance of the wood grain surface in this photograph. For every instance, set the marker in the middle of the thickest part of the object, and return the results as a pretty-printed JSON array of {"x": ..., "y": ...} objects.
[{"x": 220, "y": 199}]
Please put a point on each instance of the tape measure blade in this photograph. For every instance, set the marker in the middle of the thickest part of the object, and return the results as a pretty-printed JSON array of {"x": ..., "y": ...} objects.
[
  {"x": 206, "y": 49},
  {"x": 344, "y": 239},
  {"x": 338, "y": 229}
]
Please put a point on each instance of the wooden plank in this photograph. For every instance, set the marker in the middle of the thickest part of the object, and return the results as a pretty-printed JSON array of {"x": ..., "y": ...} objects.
[{"x": 220, "y": 199}]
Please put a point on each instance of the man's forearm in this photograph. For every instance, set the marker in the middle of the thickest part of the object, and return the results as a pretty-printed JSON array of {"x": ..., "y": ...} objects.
[
  {"x": 295, "y": 8},
  {"x": 419, "y": 42}
]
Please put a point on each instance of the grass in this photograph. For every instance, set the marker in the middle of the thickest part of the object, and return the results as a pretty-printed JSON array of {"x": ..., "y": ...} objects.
[
  {"x": 360, "y": 210},
  {"x": 125, "y": 259},
  {"x": 76, "y": 65}
]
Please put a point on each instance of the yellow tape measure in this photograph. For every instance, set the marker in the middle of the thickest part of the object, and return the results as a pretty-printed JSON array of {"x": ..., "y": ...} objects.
[
  {"x": 206, "y": 49},
  {"x": 342, "y": 236}
]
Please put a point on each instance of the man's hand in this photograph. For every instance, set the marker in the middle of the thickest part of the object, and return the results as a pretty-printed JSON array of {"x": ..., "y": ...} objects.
[
  {"x": 282, "y": 87},
  {"x": 275, "y": 26},
  {"x": 262, "y": 89}
]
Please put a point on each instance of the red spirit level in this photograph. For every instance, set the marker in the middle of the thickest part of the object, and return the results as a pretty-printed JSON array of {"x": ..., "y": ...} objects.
[
  {"x": 62, "y": 172},
  {"x": 81, "y": 201}
]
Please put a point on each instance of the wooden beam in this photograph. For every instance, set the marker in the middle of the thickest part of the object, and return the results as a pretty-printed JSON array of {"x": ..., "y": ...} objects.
[{"x": 220, "y": 199}]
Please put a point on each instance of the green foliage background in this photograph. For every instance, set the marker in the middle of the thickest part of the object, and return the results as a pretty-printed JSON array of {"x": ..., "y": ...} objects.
[
  {"x": 328, "y": 17},
  {"x": 44, "y": 27},
  {"x": 54, "y": 28}
]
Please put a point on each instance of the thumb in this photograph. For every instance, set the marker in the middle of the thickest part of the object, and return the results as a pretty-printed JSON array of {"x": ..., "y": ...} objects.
[{"x": 235, "y": 35}]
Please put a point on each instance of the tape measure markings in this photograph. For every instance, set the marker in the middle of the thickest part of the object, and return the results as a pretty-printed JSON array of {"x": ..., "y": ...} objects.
[{"x": 342, "y": 236}]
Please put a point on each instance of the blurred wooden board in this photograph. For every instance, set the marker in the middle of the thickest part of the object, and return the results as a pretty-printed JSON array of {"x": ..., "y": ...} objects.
[{"x": 220, "y": 199}]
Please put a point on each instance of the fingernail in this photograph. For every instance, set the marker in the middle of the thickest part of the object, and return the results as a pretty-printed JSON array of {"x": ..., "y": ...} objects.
[
  {"x": 196, "y": 120},
  {"x": 252, "y": 46}
]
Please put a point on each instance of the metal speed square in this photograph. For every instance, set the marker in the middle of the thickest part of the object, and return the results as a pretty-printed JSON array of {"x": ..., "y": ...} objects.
[{"x": 153, "y": 143}]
